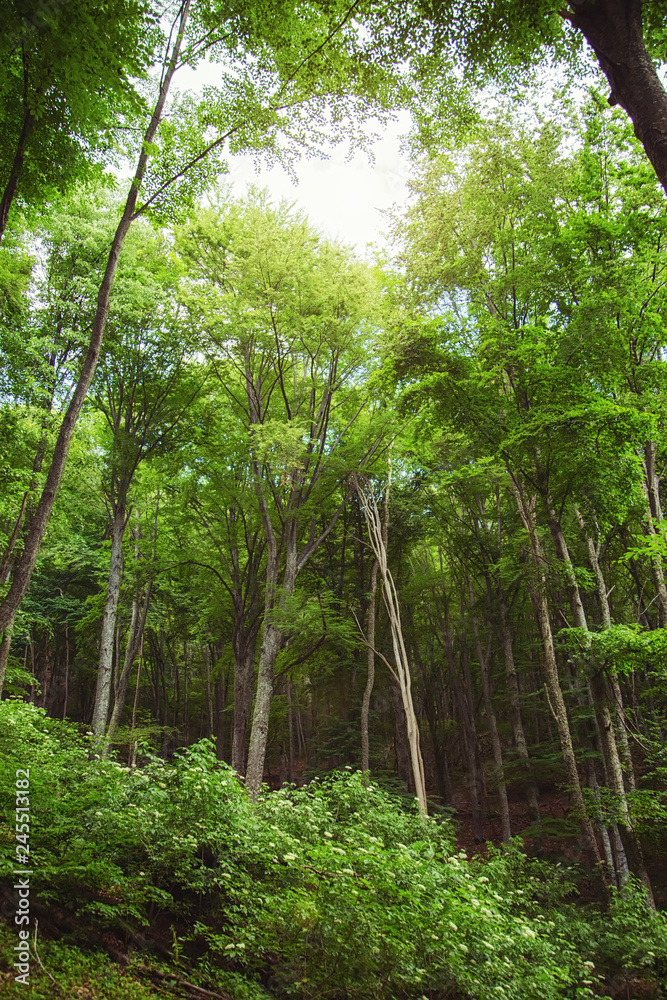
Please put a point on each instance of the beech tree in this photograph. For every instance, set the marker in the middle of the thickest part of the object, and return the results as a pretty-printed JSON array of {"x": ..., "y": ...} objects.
[
  {"x": 67, "y": 92},
  {"x": 284, "y": 70},
  {"x": 284, "y": 313}
]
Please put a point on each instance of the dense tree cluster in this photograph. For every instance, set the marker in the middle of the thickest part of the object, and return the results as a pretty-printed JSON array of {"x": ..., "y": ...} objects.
[{"x": 404, "y": 516}]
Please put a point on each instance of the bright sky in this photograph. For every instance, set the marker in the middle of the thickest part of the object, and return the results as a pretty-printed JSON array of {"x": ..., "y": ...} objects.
[{"x": 343, "y": 199}]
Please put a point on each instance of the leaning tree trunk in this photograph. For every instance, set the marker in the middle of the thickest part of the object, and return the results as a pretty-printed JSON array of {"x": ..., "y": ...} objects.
[
  {"x": 614, "y": 30},
  {"x": 12, "y": 185},
  {"x": 25, "y": 565}
]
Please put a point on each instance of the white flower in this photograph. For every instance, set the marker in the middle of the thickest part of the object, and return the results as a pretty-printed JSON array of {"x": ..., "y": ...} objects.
[
  {"x": 452, "y": 925},
  {"x": 289, "y": 857}
]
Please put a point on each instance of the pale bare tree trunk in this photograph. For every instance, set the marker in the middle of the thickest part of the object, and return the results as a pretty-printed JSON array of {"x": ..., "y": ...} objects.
[
  {"x": 370, "y": 675},
  {"x": 390, "y": 597}
]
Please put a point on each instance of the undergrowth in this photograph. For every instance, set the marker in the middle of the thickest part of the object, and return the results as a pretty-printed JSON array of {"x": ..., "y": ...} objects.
[{"x": 335, "y": 889}]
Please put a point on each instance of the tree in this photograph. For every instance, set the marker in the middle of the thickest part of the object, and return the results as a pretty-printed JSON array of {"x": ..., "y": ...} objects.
[
  {"x": 294, "y": 66},
  {"x": 378, "y": 543},
  {"x": 66, "y": 91},
  {"x": 145, "y": 383},
  {"x": 499, "y": 39},
  {"x": 516, "y": 385},
  {"x": 284, "y": 313}
]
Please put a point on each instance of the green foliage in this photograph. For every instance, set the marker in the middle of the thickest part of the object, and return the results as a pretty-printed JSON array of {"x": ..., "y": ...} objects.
[
  {"x": 68, "y": 86},
  {"x": 333, "y": 885}
]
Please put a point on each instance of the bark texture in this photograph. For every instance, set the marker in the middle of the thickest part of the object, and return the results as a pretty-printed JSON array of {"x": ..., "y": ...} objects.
[{"x": 614, "y": 30}]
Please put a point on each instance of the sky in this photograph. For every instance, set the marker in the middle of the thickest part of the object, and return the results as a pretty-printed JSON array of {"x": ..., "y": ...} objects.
[{"x": 345, "y": 200}]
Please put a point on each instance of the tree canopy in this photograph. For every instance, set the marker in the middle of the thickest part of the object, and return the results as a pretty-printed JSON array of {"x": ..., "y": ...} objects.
[{"x": 333, "y": 605}]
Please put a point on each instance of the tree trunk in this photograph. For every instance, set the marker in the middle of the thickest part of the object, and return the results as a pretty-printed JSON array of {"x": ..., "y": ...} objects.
[
  {"x": 66, "y": 695},
  {"x": 465, "y": 710},
  {"x": 244, "y": 671},
  {"x": 401, "y": 741},
  {"x": 103, "y": 688},
  {"x": 626, "y": 755},
  {"x": 17, "y": 167},
  {"x": 614, "y": 30},
  {"x": 219, "y": 687},
  {"x": 370, "y": 676},
  {"x": 515, "y": 712},
  {"x": 390, "y": 597},
  {"x": 25, "y": 565},
  {"x": 653, "y": 520},
  {"x": 609, "y": 748},
  {"x": 291, "y": 773},
  {"x": 259, "y": 734},
  {"x": 614, "y": 771},
  {"x": 483, "y": 657},
  {"x": 5, "y": 647},
  {"x": 538, "y": 595},
  {"x": 134, "y": 641}
]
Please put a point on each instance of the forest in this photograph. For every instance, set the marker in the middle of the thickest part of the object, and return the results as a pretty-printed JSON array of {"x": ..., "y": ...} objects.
[{"x": 333, "y": 588}]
